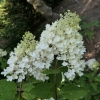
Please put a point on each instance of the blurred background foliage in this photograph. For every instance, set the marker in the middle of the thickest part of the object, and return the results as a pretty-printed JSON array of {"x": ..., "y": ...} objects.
[{"x": 17, "y": 17}]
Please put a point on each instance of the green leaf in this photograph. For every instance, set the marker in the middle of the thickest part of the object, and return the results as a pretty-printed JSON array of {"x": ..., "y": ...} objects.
[
  {"x": 58, "y": 79},
  {"x": 51, "y": 71},
  {"x": 27, "y": 87},
  {"x": 43, "y": 90},
  {"x": 91, "y": 75},
  {"x": 63, "y": 69},
  {"x": 95, "y": 23},
  {"x": 97, "y": 78},
  {"x": 28, "y": 96},
  {"x": 73, "y": 92},
  {"x": 7, "y": 90},
  {"x": 55, "y": 71},
  {"x": 0, "y": 59},
  {"x": 3, "y": 65},
  {"x": 32, "y": 79},
  {"x": 3, "y": 62},
  {"x": 94, "y": 85}
]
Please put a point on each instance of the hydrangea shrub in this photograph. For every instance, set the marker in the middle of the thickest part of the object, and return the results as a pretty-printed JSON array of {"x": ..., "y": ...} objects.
[{"x": 58, "y": 52}]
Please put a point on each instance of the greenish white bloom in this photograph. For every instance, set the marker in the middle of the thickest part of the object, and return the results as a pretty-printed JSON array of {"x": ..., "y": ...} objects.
[
  {"x": 20, "y": 63},
  {"x": 92, "y": 63}
]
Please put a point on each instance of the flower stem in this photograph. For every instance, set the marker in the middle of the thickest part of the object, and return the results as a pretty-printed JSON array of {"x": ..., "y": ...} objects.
[
  {"x": 20, "y": 90},
  {"x": 55, "y": 82}
]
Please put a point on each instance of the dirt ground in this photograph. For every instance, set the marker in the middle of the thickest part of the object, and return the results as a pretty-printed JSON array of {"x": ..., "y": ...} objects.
[{"x": 90, "y": 9}]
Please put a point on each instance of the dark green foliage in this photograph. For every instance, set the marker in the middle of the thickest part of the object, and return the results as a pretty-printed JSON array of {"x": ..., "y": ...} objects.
[
  {"x": 87, "y": 28},
  {"x": 45, "y": 88},
  {"x": 52, "y": 3},
  {"x": 72, "y": 91},
  {"x": 18, "y": 17},
  {"x": 27, "y": 87},
  {"x": 1, "y": 1},
  {"x": 91, "y": 81},
  {"x": 7, "y": 90}
]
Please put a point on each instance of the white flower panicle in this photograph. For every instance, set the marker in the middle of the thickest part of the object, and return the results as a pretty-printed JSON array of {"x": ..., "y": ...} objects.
[
  {"x": 2, "y": 53},
  {"x": 61, "y": 39},
  {"x": 20, "y": 63}
]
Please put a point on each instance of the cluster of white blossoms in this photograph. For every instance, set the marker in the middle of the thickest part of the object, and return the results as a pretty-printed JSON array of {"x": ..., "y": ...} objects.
[
  {"x": 60, "y": 41},
  {"x": 2, "y": 53},
  {"x": 20, "y": 63}
]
